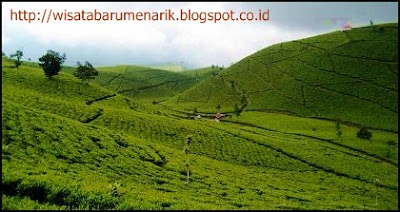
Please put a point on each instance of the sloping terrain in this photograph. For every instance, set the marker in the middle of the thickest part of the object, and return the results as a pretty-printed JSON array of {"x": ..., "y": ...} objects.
[
  {"x": 202, "y": 73},
  {"x": 351, "y": 75},
  {"x": 68, "y": 145},
  {"x": 169, "y": 67},
  {"x": 143, "y": 83}
]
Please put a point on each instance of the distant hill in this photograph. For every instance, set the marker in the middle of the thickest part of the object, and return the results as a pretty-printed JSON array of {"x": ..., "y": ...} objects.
[
  {"x": 143, "y": 82},
  {"x": 202, "y": 73},
  {"x": 169, "y": 67},
  {"x": 351, "y": 75}
]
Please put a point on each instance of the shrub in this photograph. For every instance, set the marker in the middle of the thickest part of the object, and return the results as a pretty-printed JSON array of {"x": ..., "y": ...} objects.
[
  {"x": 338, "y": 129},
  {"x": 35, "y": 190},
  {"x": 364, "y": 133},
  {"x": 115, "y": 189},
  {"x": 391, "y": 144},
  {"x": 237, "y": 110}
]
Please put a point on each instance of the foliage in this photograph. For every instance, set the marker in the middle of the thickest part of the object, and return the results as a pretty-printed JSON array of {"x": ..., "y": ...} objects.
[
  {"x": 18, "y": 55},
  {"x": 85, "y": 72},
  {"x": 218, "y": 107},
  {"x": 339, "y": 132},
  {"x": 51, "y": 63},
  {"x": 364, "y": 133},
  {"x": 236, "y": 110}
]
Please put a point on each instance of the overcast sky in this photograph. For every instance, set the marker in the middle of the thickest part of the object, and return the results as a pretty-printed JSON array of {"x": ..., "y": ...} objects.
[{"x": 190, "y": 43}]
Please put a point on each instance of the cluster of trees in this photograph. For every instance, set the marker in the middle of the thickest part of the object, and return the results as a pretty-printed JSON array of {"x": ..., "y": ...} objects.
[
  {"x": 51, "y": 64},
  {"x": 217, "y": 67}
]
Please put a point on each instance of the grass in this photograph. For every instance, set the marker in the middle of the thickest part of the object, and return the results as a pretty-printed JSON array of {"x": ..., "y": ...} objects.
[{"x": 66, "y": 145}]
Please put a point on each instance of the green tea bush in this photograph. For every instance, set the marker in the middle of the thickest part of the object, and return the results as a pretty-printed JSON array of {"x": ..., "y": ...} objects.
[{"x": 364, "y": 133}]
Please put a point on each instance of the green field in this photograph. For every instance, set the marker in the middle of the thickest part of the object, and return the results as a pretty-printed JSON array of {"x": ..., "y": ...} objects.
[
  {"x": 352, "y": 75},
  {"x": 119, "y": 142}
]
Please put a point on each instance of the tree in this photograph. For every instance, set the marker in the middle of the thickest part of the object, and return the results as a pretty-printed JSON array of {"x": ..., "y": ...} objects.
[
  {"x": 186, "y": 148},
  {"x": 218, "y": 107},
  {"x": 85, "y": 72},
  {"x": 18, "y": 55},
  {"x": 236, "y": 110},
  {"x": 338, "y": 129},
  {"x": 51, "y": 63},
  {"x": 3, "y": 54},
  {"x": 390, "y": 144}
]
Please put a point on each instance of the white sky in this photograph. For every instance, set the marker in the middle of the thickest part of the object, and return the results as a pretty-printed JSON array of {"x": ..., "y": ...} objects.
[{"x": 190, "y": 43}]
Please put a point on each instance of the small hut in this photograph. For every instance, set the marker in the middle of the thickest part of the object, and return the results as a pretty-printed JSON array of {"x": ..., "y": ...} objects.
[{"x": 219, "y": 116}]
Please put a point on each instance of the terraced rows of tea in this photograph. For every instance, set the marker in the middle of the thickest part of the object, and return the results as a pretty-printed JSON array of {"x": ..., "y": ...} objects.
[
  {"x": 346, "y": 74},
  {"x": 68, "y": 145},
  {"x": 143, "y": 82}
]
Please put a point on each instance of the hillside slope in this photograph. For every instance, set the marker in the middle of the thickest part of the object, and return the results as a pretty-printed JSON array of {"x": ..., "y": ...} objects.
[
  {"x": 143, "y": 83},
  {"x": 68, "y": 145},
  {"x": 350, "y": 75},
  {"x": 202, "y": 73},
  {"x": 71, "y": 146}
]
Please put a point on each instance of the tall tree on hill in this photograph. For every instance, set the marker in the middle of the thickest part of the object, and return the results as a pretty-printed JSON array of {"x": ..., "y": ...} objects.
[
  {"x": 85, "y": 72},
  {"x": 218, "y": 107},
  {"x": 236, "y": 110},
  {"x": 51, "y": 63},
  {"x": 338, "y": 129},
  {"x": 188, "y": 141},
  {"x": 390, "y": 144},
  {"x": 18, "y": 55}
]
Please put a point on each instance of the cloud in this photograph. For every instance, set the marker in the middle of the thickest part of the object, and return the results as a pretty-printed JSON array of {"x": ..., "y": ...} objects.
[{"x": 130, "y": 42}]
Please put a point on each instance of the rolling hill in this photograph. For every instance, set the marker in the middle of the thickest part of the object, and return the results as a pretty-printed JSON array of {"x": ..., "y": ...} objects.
[
  {"x": 174, "y": 67},
  {"x": 351, "y": 75},
  {"x": 105, "y": 145},
  {"x": 146, "y": 84},
  {"x": 202, "y": 73}
]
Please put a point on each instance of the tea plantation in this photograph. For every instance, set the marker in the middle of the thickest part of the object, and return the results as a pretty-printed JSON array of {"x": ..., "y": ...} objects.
[{"x": 121, "y": 141}]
